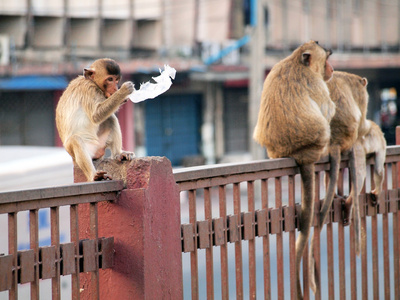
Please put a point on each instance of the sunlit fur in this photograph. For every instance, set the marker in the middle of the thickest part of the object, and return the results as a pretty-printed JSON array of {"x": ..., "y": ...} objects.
[
  {"x": 85, "y": 117},
  {"x": 293, "y": 121}
]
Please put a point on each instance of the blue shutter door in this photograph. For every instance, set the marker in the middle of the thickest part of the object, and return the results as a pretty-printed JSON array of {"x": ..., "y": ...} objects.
[{"x": 173, "y": 126}]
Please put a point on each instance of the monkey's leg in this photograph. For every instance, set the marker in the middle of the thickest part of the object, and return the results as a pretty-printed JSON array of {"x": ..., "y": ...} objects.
[
  {"x": 334, "y": 155},
  {"x": 379, "y": 169},
  {"x": 357, "y": 167},
  {"x": 115, "y": 140},
  {"x": 306, "y": 217},
  {"x": 76, "y": 147}
]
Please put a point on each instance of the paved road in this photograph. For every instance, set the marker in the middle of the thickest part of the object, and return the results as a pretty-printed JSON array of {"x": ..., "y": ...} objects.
[{"x": 34, "y": 167}]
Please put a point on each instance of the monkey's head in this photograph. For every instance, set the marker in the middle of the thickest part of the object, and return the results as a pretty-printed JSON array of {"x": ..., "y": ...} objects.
[
  {"x": 106, "y": 74},
  {"x": 315, "y": 57}
]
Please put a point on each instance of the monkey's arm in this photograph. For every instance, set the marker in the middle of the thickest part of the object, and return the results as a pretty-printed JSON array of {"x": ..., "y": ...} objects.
[{"x": 104, "y": 109}]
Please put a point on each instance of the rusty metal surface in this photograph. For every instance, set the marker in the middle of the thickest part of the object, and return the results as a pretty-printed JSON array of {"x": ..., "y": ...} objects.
[
  {"x": 34, "y": 244},
  {"x": 209, "y": 249},
  {"x": 29, "y": 266},
  {"x": 6, "y": 268},
  {"x": 67, "y": 253},
  {"x": 59, "y": 196},
  {"x": 107, "y": 252},
  {"x": 26, "y": 260},
  {"x": 46, "y": 259}
]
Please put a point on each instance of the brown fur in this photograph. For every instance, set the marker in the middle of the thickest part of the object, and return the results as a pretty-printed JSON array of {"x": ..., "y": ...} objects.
[
  {"x": 349, "y": 93},
  {"x": 373, "y": 142},
  {"x": 85, "y": 116},
  {"x": 293, "y": 121}
]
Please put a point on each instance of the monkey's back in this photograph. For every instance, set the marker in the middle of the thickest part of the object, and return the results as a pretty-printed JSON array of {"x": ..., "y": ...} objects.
[
  {"x": 374, "y": 140},
  {"x": 294, "y": 112},
  {"x": 351, "y": 99},
  {"x": 74, "y": 106}
]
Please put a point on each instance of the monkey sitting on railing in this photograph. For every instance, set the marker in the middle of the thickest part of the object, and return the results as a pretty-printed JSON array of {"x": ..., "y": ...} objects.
[{"x": 85, "y": 116}]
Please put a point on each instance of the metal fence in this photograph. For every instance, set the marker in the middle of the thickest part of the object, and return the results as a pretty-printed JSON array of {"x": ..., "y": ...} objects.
[
  {"x": 240, "y": 221},
  {"x": 50, "y": 262}
]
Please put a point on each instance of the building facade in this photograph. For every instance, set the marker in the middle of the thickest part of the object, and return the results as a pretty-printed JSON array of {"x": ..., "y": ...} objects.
[{"x": 222, "y": 51}]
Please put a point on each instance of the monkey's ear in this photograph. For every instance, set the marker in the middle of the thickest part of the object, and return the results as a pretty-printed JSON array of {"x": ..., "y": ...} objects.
[
  {"x": 88, "y": 73},
  {"x": 306, "y": 58},
  {"x": 364, "y": 81}
]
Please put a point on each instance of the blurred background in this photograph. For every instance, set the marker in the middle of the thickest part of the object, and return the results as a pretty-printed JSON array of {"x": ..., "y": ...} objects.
[{"x": 222, "y": 51}]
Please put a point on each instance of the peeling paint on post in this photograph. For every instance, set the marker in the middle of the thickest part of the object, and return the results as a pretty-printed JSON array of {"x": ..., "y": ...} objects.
[{"x": 145, "y": 224}]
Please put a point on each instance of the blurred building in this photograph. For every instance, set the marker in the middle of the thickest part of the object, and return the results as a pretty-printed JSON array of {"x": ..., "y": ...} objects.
[{"x": 206, "y": 116}]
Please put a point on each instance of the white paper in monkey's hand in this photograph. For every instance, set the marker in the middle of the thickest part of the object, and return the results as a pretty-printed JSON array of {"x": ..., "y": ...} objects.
[{"x": 150, "y": 90}]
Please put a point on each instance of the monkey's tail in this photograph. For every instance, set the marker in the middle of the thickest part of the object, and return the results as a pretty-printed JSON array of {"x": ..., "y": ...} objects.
[
  {"x": 313, "y": 272},
  {"x": 307, "y": 172},
  {"x": 335, "y": 157}
]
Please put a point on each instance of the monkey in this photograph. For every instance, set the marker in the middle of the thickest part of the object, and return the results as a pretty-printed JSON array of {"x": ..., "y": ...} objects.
[
  {"x": 85, "y": 116},
  {"x": 373, "y": 142},
  {"x": 293, "y": 121},
  {"x": 349, "y": 93}
]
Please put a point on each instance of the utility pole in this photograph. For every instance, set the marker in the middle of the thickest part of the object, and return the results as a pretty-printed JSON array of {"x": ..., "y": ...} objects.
[{"x": 257, "y": 72}]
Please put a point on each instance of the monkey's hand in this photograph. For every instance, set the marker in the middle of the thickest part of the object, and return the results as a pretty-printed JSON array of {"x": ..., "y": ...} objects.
[
  {"x": 127, "y": 88},
  {"x": 125, "y": 156},
  {"x": 101, "y": 175}
]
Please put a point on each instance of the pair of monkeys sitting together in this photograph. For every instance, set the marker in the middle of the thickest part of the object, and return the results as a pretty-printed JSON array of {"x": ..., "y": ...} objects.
[{"x": 307, "y": 110}]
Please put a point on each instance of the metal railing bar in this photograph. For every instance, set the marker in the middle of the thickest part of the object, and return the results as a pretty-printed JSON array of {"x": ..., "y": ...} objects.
[
  {"x": 266, "y": 250},
  {"x": 210, "y": 171},
  {"x": 374, "y": 241},
  {"x": 13, "y": 249},
  {"x": 242, "y": 177},
  {"x": 61, "y": 201},
  {"x": 74, "y": 227},
  {"x": 94, "y": 234},
  {"x": 353, "y": 265},
  {"x": 395, "y": 233},
  {"x": 194, "y": 270},
  {"x": 252, "y": 248},
  {"x": 385, "y": 236},
  {"x": 329, "y": 249},
  {"x": 292, "y": 240},
  {"x": 223, "y": 247},
  {"x": 77, "y": 189},
  {"x": 279, "y": 241},
  {"x": 209, "y": 250},
  {"x": 34, "y": 244},
  {"x": 221, "y": 170},
  {"x": 55, "y": 241},
  {"x": 238, "y": 244}
]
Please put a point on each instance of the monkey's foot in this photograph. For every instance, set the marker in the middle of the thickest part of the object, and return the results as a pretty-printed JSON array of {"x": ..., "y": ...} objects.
[
  {"x": 101, "y": 175},
  {"x": 347, "y": 207},
  {"x": 125, "y": 156},
  {"x": 373, "y": 197}
]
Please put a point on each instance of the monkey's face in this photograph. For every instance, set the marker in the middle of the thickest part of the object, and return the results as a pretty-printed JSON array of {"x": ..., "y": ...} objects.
[{"x": 110, "y": 85}]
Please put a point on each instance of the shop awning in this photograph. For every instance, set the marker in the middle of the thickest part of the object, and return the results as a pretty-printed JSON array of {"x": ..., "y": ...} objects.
[{"x": 33, "y": 82}]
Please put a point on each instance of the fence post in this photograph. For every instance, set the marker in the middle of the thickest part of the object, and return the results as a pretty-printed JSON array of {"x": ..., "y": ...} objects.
[
  {"x": 398, "y": 143},
  {"x": 145, "y": 224}
]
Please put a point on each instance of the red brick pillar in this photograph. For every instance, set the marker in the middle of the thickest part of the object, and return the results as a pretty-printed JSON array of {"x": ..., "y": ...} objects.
[{"x": 145, "y": 224}]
